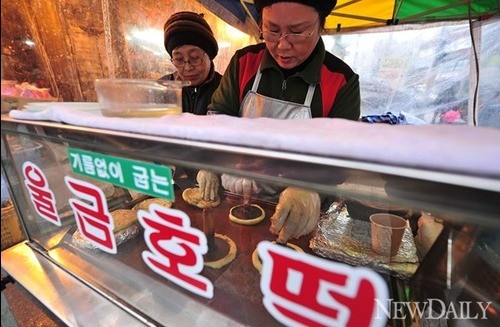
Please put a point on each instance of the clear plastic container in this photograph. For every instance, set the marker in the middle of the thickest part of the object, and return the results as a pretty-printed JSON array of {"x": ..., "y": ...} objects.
[{"x": 139, "y": 98}]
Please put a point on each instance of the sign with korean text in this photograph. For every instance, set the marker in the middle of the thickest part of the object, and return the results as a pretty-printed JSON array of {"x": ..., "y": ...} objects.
[
  {"x": 303, "y": 290},
  {"x": 41, "y": 195},
  {"x": 154, "y": 180},
  {"x": 92, "y": 216},
  {"x": 175, "y": 248}
]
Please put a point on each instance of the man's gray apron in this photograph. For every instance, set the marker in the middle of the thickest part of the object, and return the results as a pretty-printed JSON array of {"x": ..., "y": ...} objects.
[{"x": 258, "y": 105}]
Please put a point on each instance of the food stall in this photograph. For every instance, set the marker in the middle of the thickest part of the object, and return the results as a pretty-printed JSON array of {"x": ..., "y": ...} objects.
[
  {"x": 69, "y": 170},
  {"x": 112, "y": 230}
]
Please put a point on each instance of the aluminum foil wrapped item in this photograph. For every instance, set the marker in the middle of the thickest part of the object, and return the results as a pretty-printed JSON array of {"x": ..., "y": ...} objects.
[
  {"x": 344, "y": 239},
  {"x": 120, "y": 237},
  {"x": 126, "y": 228}
]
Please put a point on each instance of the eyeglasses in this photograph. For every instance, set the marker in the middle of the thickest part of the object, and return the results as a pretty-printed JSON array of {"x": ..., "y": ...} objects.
[
  {"x": 273, "y": 37},
  {"x": 193, "y": 61}
]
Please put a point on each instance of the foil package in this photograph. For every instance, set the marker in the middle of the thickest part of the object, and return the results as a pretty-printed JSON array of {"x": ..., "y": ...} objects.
[
  {"x": 347, "y": 240},
  {"x": 120, "y": 237}
]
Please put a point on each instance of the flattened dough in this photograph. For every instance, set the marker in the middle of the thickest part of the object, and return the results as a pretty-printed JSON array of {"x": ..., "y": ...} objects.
[
  {"x": 123, "y": 218},
  {"x": 144, "y": 205},
  {"x": 231, "y": 254},
  {"x": 244, "y": 221},
  {"x": 256, "y": 260},
  {"x": 193, "y": 197}
]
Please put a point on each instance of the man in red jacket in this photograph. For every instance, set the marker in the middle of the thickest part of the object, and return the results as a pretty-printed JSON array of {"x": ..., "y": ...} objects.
[{"x": 289, "y": 76}]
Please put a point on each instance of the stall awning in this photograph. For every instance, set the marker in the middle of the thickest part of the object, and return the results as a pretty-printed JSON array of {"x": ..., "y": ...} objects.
[
  {"x": 357, "y": 14},
  {"x": 362, "y": 14}
]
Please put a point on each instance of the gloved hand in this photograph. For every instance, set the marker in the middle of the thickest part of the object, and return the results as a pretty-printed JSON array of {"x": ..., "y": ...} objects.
[
  {"x": 208, "y": 184},
  {"x": 297, "y": 213},
  {"x": 239, "y": 185}
]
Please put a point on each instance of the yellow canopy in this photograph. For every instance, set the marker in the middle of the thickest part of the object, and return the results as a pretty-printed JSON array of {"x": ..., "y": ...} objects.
[
  {"x": 350, "y": 14},
  {"x": 362, "y": 14}
]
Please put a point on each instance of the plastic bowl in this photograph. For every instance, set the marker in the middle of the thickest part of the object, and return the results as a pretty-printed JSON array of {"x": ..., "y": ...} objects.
[
  {"x": 138, "y": 98},
  {"x": 25, "y": 150}
]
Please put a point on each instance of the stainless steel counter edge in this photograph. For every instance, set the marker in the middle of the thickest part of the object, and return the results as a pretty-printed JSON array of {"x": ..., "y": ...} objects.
[
  {"x": 75, "y": 303},
  {"x": 476, "y": 182}
]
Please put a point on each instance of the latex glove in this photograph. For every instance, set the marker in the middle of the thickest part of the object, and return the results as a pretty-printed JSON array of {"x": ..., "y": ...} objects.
[
  {"x": 297, "y": 214},
  {"x": 239, "y": 185},
  {"x": 208, "y": 184}
]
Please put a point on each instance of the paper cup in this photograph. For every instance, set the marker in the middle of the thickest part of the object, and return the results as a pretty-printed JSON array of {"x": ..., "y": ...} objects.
[{"x": 386, "y": 233}]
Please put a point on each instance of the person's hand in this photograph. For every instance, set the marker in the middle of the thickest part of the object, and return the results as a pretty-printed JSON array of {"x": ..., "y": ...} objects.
[
  {"x": 297, "y": 214},
  {"x": 239, "y": 185},
  {"x": 208, "y": 184}
]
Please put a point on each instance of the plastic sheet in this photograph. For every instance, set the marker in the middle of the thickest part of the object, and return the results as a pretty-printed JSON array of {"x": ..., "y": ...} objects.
[{"x": 427, "y": 70}]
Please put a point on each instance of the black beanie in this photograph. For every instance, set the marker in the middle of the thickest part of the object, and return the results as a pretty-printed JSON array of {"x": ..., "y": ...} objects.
[
  {"x": 323, "y": 7},
  {"x": 187, "y": 27}
]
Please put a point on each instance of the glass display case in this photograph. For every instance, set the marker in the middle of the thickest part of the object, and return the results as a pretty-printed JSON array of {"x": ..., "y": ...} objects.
[{"x": 174, "y": 263}]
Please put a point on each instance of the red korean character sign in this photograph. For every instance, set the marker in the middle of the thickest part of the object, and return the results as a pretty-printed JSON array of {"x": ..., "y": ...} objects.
[
  {"x": 175, "y": 248},
  {"x": 303, "y": 290},
  {"x": 41, "y": 195},
  {"x": 93, "y": 218}
]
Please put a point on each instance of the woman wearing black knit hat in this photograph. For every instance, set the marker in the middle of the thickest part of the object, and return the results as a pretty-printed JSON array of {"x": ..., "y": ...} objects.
[
  {"x": 289, "y": 76},
  {"x": 191, "y": 44}
]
